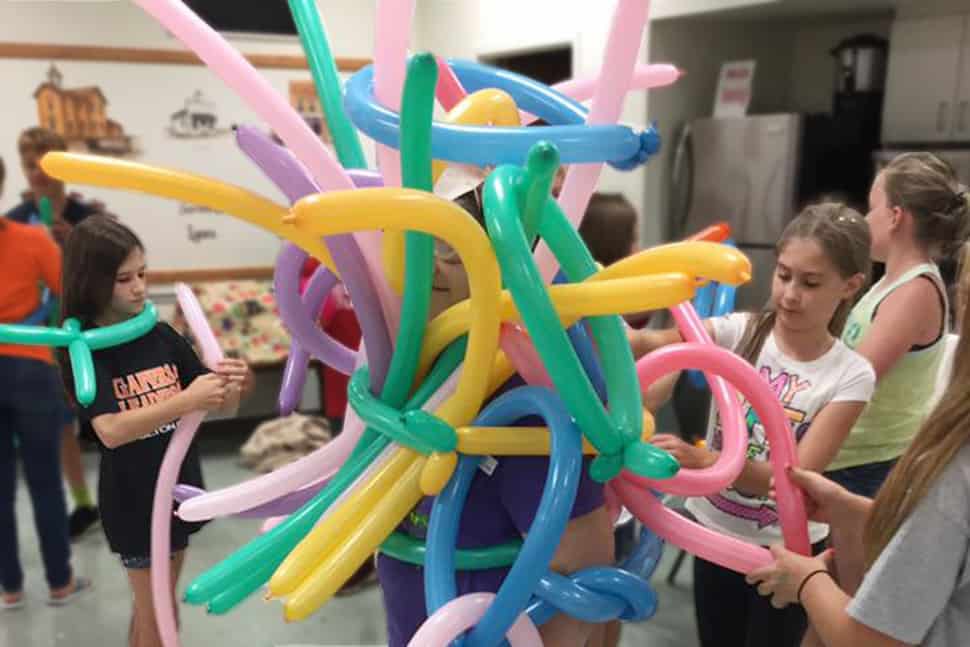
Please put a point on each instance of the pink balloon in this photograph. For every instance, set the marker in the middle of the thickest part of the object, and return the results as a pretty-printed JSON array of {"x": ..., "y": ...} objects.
[
  {"x": 178, "y": 447},
  {"x": 694, "y": 538},
  {"x": 322, "y": 463},
  {"x": 461, "y": 614},
  {"x": 199, "y": 325},
  {"x": 518, "y": 347},
  {"x": 718, "y": 362},
  {"x": 393, "y": 31},
  {"x": 449, "y": 90},
  {"x": 645, "y": 77},
  {"x": 619, "y": 61},
  {"x": 161, "y": 537}
]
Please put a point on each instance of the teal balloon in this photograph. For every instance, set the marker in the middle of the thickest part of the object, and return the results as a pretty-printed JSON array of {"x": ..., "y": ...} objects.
[
  {"x": 323, "y": 68},
  {"x": 124, "y": 332}
]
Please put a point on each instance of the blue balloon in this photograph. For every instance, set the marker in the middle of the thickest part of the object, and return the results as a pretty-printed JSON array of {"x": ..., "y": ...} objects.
[
  {"x": 552, "y": 516},
  {"x": 594, "y": 595},
  {"x": 645, "y": 556},
  {"x": 577, "y": 142},
  {"x": 704, "y": 299}
]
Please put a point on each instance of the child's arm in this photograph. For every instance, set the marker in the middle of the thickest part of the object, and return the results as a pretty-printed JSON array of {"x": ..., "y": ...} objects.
[
  {"x": 645, "y": 341},
  {"x": 207, "y": 392},
  {"x": 816, "y": 450},
  {"x": 896, "y": 327},
  {"x": 821, "y": 597}
]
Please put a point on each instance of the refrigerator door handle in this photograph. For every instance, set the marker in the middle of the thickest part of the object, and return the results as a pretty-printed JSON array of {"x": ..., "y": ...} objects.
[{"x": 682, "y": 172}]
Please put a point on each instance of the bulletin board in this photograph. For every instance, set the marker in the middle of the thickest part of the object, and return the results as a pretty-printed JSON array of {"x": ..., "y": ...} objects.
[{"x": 159, "y": 107}]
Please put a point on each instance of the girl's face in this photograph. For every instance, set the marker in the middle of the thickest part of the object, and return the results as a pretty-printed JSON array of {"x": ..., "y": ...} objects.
[
  {"x": 807, "y": 288},
  {"x": 449, "y": 285},
  {"x": 882, "y": 219},
  {"x": 130, "y": 290}
]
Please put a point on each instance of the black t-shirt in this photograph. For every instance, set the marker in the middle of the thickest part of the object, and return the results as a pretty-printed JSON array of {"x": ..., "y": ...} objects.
[
  {"x": 142, "y": 372},
  {"x": 75, "y": 211}
]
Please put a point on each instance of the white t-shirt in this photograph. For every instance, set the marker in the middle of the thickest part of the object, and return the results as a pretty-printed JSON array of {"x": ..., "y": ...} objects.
[{"x": 804, "y": 388}]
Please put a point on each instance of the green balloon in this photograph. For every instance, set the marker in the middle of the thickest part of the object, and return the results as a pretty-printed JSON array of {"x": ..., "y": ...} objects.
[
  {"x": 251, "y": 566},
  {"x": 124, "y": 332},
  {"x": 34, "y": 335},
  {"x": 417, "y": 430},
  {"x": 327, "y": 82},
  {"x": 46, "y": 211},
  {"x": 405, "y": 548},
  {"x": 417, "y": 108},
  {"x": 611, "y": 432}
]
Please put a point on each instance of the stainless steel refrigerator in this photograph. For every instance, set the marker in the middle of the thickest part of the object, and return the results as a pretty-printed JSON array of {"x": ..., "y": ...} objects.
[{"x": 752, "y": 172}]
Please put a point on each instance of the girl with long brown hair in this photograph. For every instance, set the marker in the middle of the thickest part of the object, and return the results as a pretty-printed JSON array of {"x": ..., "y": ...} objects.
[
  {"x": 912, "y": 541},
  {"x": 822, "y": 263}
]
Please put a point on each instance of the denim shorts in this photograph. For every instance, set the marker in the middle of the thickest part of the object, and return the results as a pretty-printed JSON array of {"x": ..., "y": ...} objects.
[
  {"x": 141, "y": 562},
  {"x": 864, "y": 480}
]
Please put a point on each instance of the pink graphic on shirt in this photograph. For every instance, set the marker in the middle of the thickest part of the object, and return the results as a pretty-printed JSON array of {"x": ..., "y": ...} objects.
[{"x": 763, "y": 515}]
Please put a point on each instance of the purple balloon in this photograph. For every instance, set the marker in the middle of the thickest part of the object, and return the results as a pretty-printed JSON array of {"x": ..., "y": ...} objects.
[
  {"x": 308, "y": 339},
  {"x": 292, "y": 178},
  {"x": 286, "y": 504}
]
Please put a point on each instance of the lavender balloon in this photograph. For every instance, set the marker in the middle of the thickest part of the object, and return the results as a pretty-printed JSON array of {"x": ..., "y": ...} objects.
[{"x": 292, "y": 178}]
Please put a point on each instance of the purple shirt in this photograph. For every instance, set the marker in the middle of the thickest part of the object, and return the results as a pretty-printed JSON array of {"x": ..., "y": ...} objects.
[{"x": 500, "y": 508}]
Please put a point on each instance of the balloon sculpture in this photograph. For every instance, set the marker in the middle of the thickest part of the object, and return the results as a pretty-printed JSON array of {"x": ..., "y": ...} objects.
[{"x": 415, "y": 425}]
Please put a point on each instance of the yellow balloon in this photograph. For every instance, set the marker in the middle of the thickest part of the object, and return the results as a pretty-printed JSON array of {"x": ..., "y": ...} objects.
[
  {"x": 571, "y": 301},
  {"x": 488, "y": 106},
  {"x": 356, "y": 546},
  {"x": 705, "y": 260},
  {"x": 325, "y": 535},
  {"x": 521, "y": 441},
  {"x": 185, "y": 187},
  {"x": 403, "y": 209}
]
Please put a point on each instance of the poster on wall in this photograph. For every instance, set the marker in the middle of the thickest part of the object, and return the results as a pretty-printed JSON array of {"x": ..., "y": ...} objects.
[{"x": 169, "y": 115}]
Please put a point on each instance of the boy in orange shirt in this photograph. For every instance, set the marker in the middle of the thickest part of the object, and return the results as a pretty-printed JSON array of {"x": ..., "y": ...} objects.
[{"x": 29, "y": 383}]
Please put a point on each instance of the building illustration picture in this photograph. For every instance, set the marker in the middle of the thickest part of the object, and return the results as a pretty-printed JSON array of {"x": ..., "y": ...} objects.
[
  {"x": 80, "y": 116},
  {"x": 197, "y": 118}
]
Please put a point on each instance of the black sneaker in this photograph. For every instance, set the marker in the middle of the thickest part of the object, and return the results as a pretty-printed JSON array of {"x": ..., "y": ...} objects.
[{"x": 83, "y": 519}]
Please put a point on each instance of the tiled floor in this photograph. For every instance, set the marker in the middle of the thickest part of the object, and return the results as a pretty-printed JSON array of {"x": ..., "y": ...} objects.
[{"x": 100, "y": 617}]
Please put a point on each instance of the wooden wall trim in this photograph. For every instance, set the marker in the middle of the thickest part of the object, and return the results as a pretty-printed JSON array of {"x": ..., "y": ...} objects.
[
  {"x": 162, "y": 56},
  {"x": 202, "y": 275}
]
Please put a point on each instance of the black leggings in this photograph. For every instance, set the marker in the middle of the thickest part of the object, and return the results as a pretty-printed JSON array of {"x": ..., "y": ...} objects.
[{"x": 730, "y": 611}]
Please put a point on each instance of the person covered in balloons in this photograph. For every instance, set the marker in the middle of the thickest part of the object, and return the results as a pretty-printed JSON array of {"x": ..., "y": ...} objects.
[
  {"x": 28, "y": 424},
  {"x": 143, "y": 387},
  {"x": 916, "y": 210},
  {"x": 501, "y": 504},
  {"x": 912, "y": 542},
  {"x": 822, "y": 263}
]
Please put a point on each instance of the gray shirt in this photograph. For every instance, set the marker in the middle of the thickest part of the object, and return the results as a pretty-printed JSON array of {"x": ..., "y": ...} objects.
[{"x": 918, "y": 591}]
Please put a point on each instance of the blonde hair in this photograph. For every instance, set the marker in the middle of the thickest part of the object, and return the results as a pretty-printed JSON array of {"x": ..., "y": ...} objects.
[
  {"x": 943, "y": 434},
  {"x": 843, "y": 235},
  {"x": 927, "y": 187}
]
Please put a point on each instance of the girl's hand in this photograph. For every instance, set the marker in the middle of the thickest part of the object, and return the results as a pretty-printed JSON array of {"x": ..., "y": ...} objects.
[
  {"x": 783, "y": 579},
  {"x": 237, "y": 373},
  {"x": 206, "y": 393},
  {"x": 825, "y": 501},
  {"x": 686, "y": 454}
]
